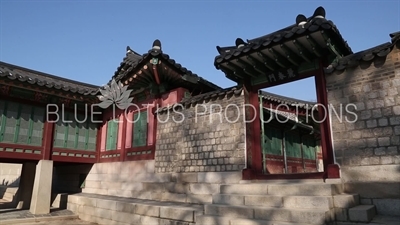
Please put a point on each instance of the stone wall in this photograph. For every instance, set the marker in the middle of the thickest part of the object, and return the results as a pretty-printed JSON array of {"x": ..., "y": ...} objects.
[
  {"x": 367, "y": 145},
  {"x": 373, "y": 139},
  {"x": 205, "y": 137},
  {"x": 138, "y": 179}
]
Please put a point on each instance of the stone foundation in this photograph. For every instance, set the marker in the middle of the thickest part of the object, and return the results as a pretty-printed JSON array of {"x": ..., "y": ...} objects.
[{"x": 137, "y": 179}]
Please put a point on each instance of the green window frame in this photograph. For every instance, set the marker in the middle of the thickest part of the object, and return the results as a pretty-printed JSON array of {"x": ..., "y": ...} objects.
[
  {"x": 309, "y": 148},
  {"x": 293, "y": 144},
  {"x": 139, "y": 134},
  {"x": 273, "y": 141},
  {"x": 75, "y": 132},
  {"x": 21, "y": 123},
  {"x": 112, "y": 134}
]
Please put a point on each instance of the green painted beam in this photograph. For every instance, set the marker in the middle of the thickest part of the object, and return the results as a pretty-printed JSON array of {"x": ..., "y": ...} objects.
[
  {"x": 282, "y": 62},
  {"x": 247, "y": 68},
  {"x": 267, "y": 61},
  {"x": 261, "y": 68},
  {"x": 308, "y": 66},
  {"x": 314, "y": 45},
  {"x": 303, "y": 52},
  {"x": 332, "y": 48},
  {"x": 290, "y": 55}
]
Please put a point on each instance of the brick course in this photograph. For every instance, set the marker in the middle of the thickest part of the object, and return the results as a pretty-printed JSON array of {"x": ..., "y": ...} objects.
[
  {"x": 206, "y": 137},
  {"x": 374, "y": 89}
]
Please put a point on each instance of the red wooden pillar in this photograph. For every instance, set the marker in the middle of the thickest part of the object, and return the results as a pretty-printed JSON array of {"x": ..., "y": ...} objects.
[
  {"x": 48, "y": 134},
  {"x": 123, "y": 139},
  {"x": 98, "y": 141},
  {"x": 99, "y": 131},
  {"x": 330, "y": 168},
  {"x": 253, "y": 135}
]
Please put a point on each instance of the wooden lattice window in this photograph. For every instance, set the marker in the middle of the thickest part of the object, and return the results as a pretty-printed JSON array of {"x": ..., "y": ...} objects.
[
  {"x": 112, "y": 134},
  {"x": 309, "y": 148},
  {"x": 273, "y": 142},
  {"x": 75, "y": 132},
  {"x": 293, "y": 144},
  {"x": 140, "y": 129},
  {"x": 21, "y": 123}
]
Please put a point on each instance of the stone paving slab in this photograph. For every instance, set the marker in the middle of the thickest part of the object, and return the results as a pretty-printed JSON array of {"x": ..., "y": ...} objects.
[
  {"x": 143, "y": 201},
  {"x": 60, "y": 222},
  {"x": 14, "y": 214}
]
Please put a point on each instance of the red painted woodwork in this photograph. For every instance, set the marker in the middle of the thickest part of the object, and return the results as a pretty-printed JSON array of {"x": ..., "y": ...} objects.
[
  {"x": 12, "y": 152},
  {"x": 333, "y": 171},
  {"x": 48, "y": 133},
  {"x": 121, "y": 131},
  {"x": 253, "y": 128},
  {"x": 276, "y": 165},
  {"x": 145, "y": 156},
  {"x": 256, "y": 150},
  {"x": 73, "y": 156},
  {"x": 326, "y": 140},
  {"x": 99, "y": 141},
  {"x": 18, "y": 155},
  {"x": 123, "y": 138},
  {"x": 253, "y": 143},
  {"x": 316, "y": 175},
  {"x": 103, "y": 135},
  {"x": 110, "y": 156}
]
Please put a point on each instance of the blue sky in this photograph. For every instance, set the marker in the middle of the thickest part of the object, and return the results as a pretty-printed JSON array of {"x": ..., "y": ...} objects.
[{"x": 86, "y": 40}]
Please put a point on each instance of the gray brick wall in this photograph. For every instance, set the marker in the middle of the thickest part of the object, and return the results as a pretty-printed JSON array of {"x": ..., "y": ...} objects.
[
  {"x": 374, "y": 138},
  {"x": 200, "y": 139}
]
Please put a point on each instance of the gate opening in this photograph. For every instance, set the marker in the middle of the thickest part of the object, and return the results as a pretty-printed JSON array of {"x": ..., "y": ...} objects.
[{"x": 290, "y": 140}]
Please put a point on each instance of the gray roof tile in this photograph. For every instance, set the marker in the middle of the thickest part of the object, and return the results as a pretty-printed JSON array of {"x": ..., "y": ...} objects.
[
  {"x": 367, "y": 55},
  {"x": 45, "y": 80}
]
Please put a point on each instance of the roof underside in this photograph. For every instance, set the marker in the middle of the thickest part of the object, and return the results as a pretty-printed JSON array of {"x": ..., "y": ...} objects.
[{"x": 284, "y": 53}]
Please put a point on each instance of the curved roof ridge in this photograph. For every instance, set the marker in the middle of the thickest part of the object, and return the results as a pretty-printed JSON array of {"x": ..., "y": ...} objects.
[
  {"x": 284, "y": 99},
  {"x": 367, "y": 55}
]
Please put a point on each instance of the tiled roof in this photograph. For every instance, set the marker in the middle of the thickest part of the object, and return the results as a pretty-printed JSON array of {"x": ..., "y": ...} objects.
[
  {"x": 44, "y": 80},
  {"x": 291, "y": 117},
  {"x": 365, "y": 56},
  {"x": 311, "y": 25},
  {"x": 237, "y": 91},
  {"x": 286, "y": 100},
  {"x": 187, "y": 102},
  {"x": 134, "y": 61}
]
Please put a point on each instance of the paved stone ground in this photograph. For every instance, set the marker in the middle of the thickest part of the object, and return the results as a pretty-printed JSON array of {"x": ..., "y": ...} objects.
[
  {"x": 60, "y": 222},
  {"x": 8, "y": 214}
]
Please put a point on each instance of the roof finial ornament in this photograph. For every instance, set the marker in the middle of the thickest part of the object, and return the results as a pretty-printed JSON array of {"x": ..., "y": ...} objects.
[
  {"x": 157, "y": 45},
  {"x": 319, "y": 12},
  {"x": 128, "y": 49},
  {"x": 301, "y": 20},
  {"x": 239, "y": 43},
  {"x": 219, "y": 50}
]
